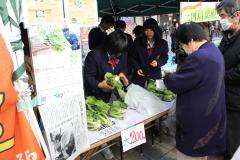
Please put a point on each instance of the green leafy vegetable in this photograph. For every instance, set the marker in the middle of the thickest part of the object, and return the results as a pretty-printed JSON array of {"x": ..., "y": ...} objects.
[
  {"x": 165, "y": 94},
  {"x": 114, "y": 81}
]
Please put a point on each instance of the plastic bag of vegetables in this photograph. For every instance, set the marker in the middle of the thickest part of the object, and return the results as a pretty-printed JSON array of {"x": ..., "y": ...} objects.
[{"x": 143, "y": 101}]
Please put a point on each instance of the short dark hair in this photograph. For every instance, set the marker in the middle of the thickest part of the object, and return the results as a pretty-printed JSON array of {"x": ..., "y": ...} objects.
[
  {"x": 153, "y": 25},
  {"x": 119, "y": 24},
  {"x": 230, "y": 6},
  {"x": 190, "y": 31},
  {"x": 107, "y": 19},
  {"x": 138, "y": 30},
  {"x": 116, "y": 43}
]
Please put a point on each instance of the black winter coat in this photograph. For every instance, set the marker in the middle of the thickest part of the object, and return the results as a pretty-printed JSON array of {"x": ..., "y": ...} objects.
[
  {"x": 141, "y": 60},
  {"x": 230, "y": 48}
]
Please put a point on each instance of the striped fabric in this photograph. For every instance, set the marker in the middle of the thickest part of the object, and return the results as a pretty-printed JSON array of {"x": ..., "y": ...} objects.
[{"x": 10, "y": 18}]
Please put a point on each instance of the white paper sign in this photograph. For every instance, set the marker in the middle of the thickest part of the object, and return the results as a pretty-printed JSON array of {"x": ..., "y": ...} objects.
[
  {"x": 237, "y": 154},
  {"x": 65, "y": 127},
  {"x": 133, "y": 137}
]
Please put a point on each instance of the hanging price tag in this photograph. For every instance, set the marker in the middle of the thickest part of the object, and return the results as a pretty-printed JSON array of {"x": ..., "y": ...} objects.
[{"x": 133, "y": 137}]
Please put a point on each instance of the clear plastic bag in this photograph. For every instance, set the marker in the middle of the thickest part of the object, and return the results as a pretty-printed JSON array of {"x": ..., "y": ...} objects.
[{"x": 143, "y": 101}]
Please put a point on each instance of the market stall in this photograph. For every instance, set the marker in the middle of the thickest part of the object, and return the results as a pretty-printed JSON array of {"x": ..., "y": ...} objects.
[
  {"x": 54, "y": 102},
  {"x": 113, "y": 133}
]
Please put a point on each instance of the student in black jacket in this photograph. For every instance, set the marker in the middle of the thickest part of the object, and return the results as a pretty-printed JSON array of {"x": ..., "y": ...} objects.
[
  {"x": 111, "y": 57},
  {"x": 120, "y": 24},
  {"x": 97, "y": 34},
  {"x": 150, "y": 53}
]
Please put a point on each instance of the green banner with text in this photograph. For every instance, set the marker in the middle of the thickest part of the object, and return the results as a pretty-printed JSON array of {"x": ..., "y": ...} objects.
[{"x": 198, "y": 12}]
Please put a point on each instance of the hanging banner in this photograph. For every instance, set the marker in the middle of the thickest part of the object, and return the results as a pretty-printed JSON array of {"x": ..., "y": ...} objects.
[
  {"x": 38, "y": 12},
  {"x": 17, "y": 140},
  {"x": 57, "y": 67},
  {"x": 198, "y": 11},
  {"x": 81, "y": 12}
]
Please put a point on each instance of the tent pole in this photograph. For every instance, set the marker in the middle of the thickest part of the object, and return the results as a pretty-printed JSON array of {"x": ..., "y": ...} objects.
[{"x": 113, "y": 7}]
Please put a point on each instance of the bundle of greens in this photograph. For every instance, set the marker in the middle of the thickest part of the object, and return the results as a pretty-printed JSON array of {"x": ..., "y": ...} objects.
[
  {"x": 117, "y": 113},
  {"x": 151, "y": 86},
  {"x": 98, "y": 112},
  {"x": 119, "y": 104},
  {"x": 93, "y": 123},
  {"x": 165, "y": 94},
  {"x": 114, "y": 80},
  {"x": 105, "y": 121},
  {"x": 97, "y": 105}
]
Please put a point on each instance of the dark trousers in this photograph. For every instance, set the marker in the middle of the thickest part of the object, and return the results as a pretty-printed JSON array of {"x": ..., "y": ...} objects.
[{"x": 233, "y": 132}]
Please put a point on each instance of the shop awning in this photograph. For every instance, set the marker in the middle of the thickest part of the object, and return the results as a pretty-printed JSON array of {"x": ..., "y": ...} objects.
[{"x": 129, "y": 8}]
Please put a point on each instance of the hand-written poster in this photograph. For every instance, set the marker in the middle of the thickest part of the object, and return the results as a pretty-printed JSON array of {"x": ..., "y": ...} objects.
[
  {"x": 43, "y": 12},
  {"x": 57, "y": 61},
  {"x": 57, "y": 68},
  {"x": 81, "y": 12}
]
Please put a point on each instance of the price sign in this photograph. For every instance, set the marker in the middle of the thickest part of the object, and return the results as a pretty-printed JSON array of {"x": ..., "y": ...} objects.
[{"x": 133, "y": 137}]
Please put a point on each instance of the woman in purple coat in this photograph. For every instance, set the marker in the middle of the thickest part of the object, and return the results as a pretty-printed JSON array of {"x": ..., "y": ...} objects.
[
  {"x": 200, "y": 89},
  {"x": 149, "y": 53}
]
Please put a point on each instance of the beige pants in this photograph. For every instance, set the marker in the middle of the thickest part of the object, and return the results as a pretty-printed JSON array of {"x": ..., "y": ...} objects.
[{"x": 181, "y": 156}]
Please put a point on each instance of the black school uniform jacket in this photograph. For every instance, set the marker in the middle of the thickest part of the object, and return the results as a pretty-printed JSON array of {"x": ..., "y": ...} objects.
[
  {"x": 95, "y": 67},
  {"x": 141, "y": 60}
]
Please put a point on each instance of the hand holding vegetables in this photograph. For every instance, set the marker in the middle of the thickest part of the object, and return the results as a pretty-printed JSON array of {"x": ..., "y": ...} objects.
[
  {"x": 123, "y": 78},
  {"x": 140, "y": 72},
  {"x": 104, "y": 85},
  {"x": 114, "y": 81},
  {"x": 154, "y": 63}
]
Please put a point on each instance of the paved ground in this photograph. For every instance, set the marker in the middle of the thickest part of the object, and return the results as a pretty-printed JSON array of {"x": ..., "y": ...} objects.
[{"x": 164, "y": 150}]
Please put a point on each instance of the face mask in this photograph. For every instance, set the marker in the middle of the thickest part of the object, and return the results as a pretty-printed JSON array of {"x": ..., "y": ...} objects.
[{"x": 225, "y": 24}]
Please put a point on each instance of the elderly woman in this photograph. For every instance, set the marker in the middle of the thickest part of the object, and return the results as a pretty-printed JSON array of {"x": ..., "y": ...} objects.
[{"x": 199, "y": 85}]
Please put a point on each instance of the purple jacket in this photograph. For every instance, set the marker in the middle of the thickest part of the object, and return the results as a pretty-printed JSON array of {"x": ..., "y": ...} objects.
[{"x": 200, "y": 108}]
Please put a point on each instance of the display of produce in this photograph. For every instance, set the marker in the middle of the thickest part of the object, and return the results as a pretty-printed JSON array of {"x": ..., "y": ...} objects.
[
  {"x": 114, "y": 80},
  {"x": 164, "y": 94},
  {"x": 98, "y": 112}
]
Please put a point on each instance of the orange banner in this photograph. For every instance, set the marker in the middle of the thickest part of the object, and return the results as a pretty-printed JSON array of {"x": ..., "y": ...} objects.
[{"x": 17, "y": 141}]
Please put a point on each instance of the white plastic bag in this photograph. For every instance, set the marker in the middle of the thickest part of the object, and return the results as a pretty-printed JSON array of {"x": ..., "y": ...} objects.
[
  {"x": 143, "y": 101},
  {"x": 160, "y": 84}
]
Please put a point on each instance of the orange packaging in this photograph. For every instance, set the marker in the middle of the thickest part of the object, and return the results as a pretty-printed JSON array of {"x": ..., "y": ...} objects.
[{"x": 17, "y": 141}]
